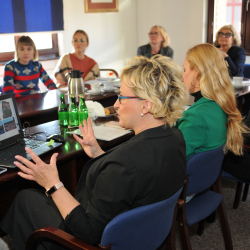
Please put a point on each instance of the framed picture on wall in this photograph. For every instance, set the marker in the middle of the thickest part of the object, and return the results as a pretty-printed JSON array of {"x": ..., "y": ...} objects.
[{"x": 101, "y": 6}]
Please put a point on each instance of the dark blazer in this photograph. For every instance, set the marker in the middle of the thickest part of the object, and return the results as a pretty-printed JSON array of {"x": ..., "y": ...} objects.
[
  {"x": 146, "y": 51},
  {"x": 236, "y": 60},
  {"x": 148, "y": 168}
]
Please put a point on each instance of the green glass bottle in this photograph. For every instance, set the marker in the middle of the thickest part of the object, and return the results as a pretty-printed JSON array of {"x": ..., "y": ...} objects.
[
  {"x": 63, "y": 115},
  {"x": 82, "y": 110},
  {"x": 73, "y": 112}
]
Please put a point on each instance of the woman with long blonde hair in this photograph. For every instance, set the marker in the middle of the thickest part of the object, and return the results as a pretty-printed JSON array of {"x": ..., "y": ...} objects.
[{"x": 213, "y": 120}]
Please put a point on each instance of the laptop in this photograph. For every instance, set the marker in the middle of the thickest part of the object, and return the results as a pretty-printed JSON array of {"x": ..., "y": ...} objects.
[{"x": 12, "y": 141}]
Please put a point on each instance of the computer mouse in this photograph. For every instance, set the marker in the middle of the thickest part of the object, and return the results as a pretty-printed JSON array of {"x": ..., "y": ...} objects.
[{"x": 56, "y": 138}]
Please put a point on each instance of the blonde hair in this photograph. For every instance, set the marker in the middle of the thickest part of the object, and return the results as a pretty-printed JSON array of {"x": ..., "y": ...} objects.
[
  {"x": 158, "y": 80},
  {"x": 82, "y": 32},
  {"x": 236, "y": 36},
  {"x": 164, "y": 34},
  {"x": 215, "y": 84},
  {"x": 27, "y": 41}
]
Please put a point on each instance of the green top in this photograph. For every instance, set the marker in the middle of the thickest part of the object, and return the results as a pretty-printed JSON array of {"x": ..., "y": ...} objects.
[{"x": 203, "y": 126}]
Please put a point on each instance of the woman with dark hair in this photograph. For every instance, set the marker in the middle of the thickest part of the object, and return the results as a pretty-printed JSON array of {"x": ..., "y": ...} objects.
[{"x": 77, "y": 61}]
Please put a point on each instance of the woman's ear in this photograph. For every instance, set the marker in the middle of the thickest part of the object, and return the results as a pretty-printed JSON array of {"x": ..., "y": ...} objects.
[{"x": 147, "y": 106}]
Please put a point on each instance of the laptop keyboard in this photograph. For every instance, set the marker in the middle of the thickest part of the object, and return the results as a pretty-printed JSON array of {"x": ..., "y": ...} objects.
[{"x": 19, "y": 149}]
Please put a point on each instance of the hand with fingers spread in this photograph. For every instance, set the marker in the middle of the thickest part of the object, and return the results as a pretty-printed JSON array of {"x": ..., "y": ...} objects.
[
  {"x": 46, "y": 175},
  {"x": 89, "y": 142}
]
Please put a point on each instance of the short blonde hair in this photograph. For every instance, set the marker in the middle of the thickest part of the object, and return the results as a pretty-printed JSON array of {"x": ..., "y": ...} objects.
[
  {"x": 164, "y": 34},
  {"x": 215, "y": 84},
  {"x": 27, "y": 41},
  {"x": 158, "y": 80},
  {"x": 237, "y": 39},
  {"x": 82, "y": 32}
]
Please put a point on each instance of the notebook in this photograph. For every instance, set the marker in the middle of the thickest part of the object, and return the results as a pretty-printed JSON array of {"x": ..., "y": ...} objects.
[{"x": 12, "y": 141}]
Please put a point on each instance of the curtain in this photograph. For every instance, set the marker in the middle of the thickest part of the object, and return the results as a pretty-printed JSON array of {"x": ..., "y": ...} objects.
[{"x": 18, "y": 16}]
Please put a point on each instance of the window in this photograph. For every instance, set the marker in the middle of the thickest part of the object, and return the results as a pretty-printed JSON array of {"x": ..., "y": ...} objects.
[
  {"x": 46, "y": 44},
  {"x": 236, "y": 12}
]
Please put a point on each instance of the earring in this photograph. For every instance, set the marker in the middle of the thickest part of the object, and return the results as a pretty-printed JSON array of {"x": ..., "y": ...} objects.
[
  {"x": 192, "y": 83},
  {"x": 142, "y": 114}
]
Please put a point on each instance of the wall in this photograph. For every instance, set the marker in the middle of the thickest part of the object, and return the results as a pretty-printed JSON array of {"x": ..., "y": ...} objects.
[
  {"x": 112, "y": 35},
  {"x": 185, "y": 22}
]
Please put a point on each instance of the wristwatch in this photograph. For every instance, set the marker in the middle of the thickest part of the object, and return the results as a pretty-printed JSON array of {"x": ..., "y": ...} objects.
[{"x": 50, "y": 191}]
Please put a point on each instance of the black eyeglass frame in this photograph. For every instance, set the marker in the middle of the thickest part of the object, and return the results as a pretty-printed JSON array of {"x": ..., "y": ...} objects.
[{"x": 227, "y": 35}]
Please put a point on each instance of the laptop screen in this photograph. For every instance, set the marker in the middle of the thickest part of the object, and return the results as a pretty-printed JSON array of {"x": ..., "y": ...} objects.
[{"x": 10, "y": 127}]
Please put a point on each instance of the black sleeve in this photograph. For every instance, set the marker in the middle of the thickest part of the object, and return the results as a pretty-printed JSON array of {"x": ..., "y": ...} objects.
[
  {"x": 139, "y": 52},
  {"x": 236, "y": 63},
  {"x": 113, "y": 193}
]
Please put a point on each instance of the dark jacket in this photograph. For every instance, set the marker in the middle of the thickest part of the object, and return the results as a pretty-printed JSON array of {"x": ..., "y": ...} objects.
[
  {"x": 148, "y": 168},
  {"x": 236, "y": 60},
  {"x": 146, "y": 51}
]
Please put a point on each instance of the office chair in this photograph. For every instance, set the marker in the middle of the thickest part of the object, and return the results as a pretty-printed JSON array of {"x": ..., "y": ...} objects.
[
  {"x": 247, "y": 70},
  {"x": 203, "y": 170},
  {"x": 145, "y": 227},
  {"x": 112, "y": 70},
  {"x": 239, "y": 187}
]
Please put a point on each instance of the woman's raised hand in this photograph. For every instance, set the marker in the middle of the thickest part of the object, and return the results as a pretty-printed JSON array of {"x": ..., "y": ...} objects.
[
  {"x": 46, "y": 175},
  {"x": 89, "y": 142}
]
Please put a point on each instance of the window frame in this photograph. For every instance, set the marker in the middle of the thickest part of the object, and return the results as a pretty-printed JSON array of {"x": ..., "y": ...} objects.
[
  {"x": 44, "y": 54},
  {"x": 245, "y": 24}
]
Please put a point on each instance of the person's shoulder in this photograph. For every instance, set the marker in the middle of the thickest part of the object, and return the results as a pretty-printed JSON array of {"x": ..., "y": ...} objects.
[
  {"x": 237, "y": 49},
  {"x": 89, "y": 59},
  {"x": 168, "y": 48},
  {"x": 11, "y": 62},
  {"x": 144, "y": 47}
]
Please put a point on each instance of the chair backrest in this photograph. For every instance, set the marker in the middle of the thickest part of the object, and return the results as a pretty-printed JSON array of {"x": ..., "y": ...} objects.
[
  {"x": 203, "y": 169},
  {"x": 145, "y": 227},
  {"x": 247, "y": 70}
]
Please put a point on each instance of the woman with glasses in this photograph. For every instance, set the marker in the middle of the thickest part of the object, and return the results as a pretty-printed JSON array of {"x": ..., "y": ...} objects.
[
  {"x": 77, "y": 61},
  {"x": 228, "y": 41},
  {"x": 159, "y": 44},
  {"x": 148, "y": 168}
]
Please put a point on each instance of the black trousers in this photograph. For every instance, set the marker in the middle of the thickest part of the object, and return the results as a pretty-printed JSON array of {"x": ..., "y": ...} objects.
[{"x": 30, "y": 211}]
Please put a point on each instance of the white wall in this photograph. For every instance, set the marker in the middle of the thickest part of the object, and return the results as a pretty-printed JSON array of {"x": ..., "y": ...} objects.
[
  {"x": 185, "y": 22},
  {"x": 112, "y": 35}
]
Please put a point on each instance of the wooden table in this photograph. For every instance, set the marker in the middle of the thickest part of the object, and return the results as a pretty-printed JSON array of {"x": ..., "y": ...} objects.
[
  {"x": 70, "y": 162},
  {"x": 40, "y": 108}
]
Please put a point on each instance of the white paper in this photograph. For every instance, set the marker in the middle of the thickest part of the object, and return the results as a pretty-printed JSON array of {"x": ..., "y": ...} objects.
[{"x": 105, "y": 133}]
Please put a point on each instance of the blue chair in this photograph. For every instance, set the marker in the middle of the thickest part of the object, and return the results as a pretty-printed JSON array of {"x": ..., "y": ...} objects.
[
  {"x": 145, "y": 227},
  {"x": 247, "y": 70},
  {"x": 203, "y": 170}
]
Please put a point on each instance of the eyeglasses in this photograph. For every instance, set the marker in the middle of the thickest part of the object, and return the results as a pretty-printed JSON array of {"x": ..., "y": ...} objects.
[
  {"x": 126, "y": 97},
  {"x": 153, "y": 34},
  {"x": 220, "y": 34}
]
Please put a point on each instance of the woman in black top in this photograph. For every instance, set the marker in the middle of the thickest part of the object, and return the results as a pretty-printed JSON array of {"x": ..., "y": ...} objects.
[
  {"x": 148, "y": 168},
  {"x": 159, "y": 44}
]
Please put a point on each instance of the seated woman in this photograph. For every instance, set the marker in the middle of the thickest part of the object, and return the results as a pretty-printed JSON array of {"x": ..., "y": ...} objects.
[
  {"x": 77, "y": 61},
  {"x": 159, "y": 44},
  {"x": 148, "y": 168},
  {"x": 213, "y": 120},
  {"x": 22, "y": 74},
  {"x": 228, "y": 41}
]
